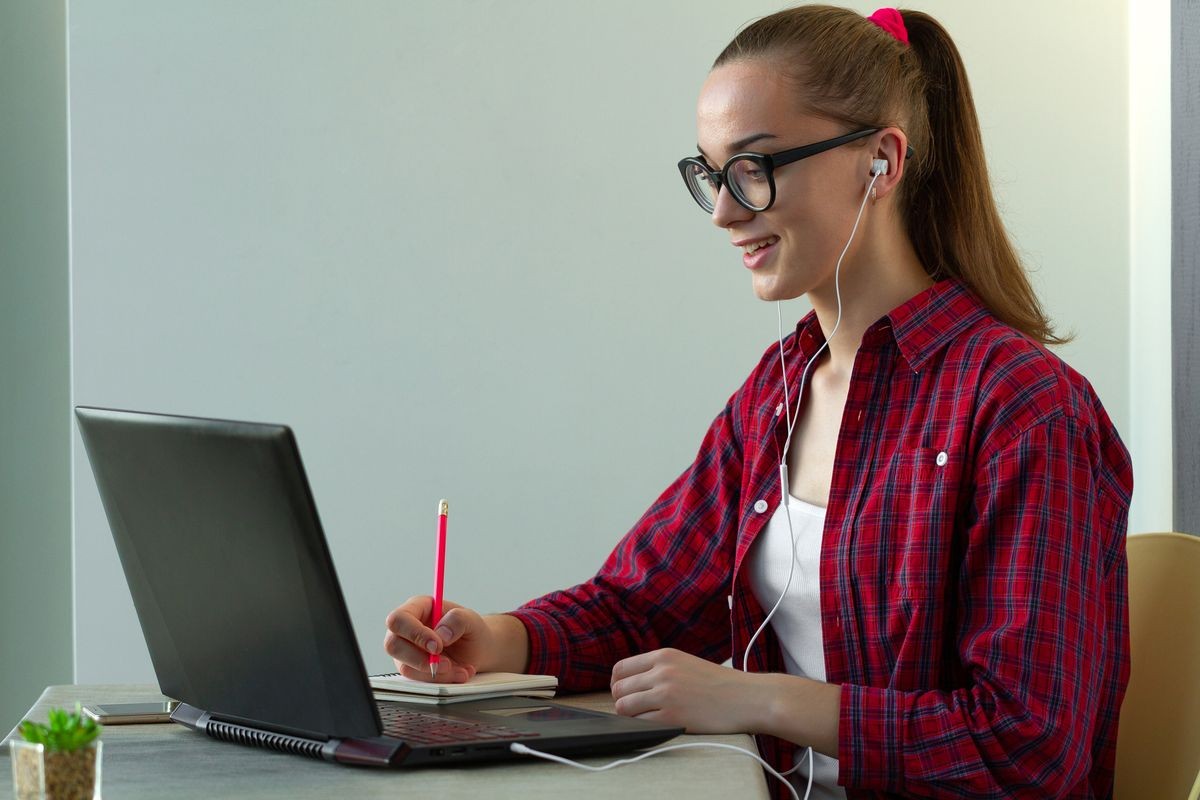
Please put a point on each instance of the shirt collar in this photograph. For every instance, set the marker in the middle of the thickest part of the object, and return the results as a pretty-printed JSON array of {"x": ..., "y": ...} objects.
[{"x": 920, "y": 327}]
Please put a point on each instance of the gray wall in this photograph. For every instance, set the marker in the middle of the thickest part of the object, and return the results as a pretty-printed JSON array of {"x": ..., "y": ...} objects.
[
  {"x": 447, "y": 243},
  {"x": 1185, "y": 284},
  {"x": 35, "y": 496}
]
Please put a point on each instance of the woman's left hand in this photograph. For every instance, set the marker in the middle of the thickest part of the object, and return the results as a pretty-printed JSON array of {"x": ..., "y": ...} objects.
[{"x": 674, "y": 688}]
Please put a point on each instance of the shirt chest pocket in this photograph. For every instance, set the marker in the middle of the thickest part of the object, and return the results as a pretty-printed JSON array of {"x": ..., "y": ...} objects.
[{"x": 916, "y": 523}]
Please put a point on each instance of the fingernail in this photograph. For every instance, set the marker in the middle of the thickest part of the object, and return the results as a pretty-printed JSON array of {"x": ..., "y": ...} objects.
[
  {"x": 431, "y": 646},
  {"x": 443, "y": 632}
]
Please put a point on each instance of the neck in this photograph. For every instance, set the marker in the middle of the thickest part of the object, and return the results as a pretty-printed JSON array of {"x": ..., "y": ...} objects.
[{"x": 878, "y": 281}]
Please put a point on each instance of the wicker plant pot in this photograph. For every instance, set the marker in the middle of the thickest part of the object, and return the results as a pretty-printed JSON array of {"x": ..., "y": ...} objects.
[{"x": 41, "y": 774}]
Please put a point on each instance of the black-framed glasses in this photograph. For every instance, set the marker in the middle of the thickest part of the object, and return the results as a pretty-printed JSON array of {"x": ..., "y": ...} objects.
[{"x": 750, "y": 177}]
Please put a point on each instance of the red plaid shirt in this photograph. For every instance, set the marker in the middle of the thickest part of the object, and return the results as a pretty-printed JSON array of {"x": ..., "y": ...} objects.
[{"x": 973, "y": 574}]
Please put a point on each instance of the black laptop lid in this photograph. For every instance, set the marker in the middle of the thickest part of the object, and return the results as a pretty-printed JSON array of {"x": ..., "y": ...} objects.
[{"x": 231, "y": 578}]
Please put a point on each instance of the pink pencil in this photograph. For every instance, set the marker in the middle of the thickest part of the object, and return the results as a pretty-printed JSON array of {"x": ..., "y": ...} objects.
[{"x": 439, "y": 575}]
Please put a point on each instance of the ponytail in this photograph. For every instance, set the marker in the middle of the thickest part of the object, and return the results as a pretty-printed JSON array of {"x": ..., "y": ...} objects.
[
  {"x": 850, "y": 70},
  {"x": 952, "y": 218}
]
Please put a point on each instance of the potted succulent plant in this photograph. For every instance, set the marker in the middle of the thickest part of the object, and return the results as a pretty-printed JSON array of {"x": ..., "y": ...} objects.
[{"x": 59, "y": 760}]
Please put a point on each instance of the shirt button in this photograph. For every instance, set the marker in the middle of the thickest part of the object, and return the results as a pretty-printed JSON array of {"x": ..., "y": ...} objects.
[
  {"x": 779, "y": 409},
  {"x": 760, "y": 506},
  {"x": 942, "y": 458}
]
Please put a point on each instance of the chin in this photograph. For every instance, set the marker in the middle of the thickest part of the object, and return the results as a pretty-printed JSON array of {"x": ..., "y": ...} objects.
[{"x": 769, "y": 289}]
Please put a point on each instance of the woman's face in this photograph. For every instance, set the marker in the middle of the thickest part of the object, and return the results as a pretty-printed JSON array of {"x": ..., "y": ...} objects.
[{"x": 792, "y": 247}]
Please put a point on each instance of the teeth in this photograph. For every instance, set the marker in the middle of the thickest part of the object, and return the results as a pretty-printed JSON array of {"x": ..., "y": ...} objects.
[{"x": 755, "y": 246}]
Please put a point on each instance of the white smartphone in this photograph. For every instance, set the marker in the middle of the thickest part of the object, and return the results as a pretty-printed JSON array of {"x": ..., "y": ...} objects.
[{"x": 130, "y": 713}]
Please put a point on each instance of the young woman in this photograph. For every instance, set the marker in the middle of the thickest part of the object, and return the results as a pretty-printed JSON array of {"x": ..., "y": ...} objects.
[{"x": 948, "y": 559}]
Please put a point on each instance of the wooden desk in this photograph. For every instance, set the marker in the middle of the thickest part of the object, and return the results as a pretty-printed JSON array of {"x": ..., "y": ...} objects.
[{"x": 156, "y": 761}]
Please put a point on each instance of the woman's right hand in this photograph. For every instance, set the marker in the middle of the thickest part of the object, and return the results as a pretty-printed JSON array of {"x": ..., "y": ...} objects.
[{"x": 462, "y": 640}]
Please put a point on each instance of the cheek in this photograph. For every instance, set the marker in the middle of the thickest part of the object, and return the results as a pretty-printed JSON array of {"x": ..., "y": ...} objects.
[
  {"x": 819, "y": 227},
  {"x": 824, "y": 196}
]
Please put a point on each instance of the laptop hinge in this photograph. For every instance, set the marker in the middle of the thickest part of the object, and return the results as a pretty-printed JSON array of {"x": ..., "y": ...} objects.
[{"x": 379, "y": 751}]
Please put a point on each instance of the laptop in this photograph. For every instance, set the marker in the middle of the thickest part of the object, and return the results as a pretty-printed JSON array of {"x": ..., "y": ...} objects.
[{"x": 244, "y": 618}]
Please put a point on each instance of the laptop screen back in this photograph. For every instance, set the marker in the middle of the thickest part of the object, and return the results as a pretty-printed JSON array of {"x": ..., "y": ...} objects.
[{"x": 230, "y": 574}]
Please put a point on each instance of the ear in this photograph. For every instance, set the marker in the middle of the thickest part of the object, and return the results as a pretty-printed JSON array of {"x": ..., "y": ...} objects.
[{"x": 890, "y": 146}]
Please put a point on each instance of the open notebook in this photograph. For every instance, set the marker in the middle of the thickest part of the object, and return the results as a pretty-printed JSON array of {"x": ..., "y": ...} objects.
[{"x": 395, "y": 687}]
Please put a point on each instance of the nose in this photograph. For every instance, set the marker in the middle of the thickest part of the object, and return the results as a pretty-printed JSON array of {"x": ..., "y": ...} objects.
[{"x": 728, "y": 211}]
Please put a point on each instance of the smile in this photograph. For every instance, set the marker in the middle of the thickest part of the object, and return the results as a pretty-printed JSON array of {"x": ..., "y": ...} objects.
[{"x": 756, "y": 246}]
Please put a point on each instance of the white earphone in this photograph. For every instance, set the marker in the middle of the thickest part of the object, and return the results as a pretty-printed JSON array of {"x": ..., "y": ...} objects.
[{"x": 879, "y": 166}]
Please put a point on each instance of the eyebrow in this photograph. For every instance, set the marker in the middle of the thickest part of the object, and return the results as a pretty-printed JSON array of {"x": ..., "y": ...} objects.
[{"x": 742, "y": 144}]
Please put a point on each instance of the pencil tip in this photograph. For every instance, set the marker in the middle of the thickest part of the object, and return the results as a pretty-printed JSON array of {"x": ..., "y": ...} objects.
[{"x": 433, "y": 669}]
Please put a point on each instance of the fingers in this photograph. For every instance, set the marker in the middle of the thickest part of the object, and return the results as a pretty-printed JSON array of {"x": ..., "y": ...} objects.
[
  {"x": 408, "y": 638},
  {"x": 637, "y": 682},
  {"x": 635, "y": 665},
  {"x": 625, "y": 687},
  {"x": 453, "y": 625},
  {"x": 408, "y": 621},
  {"x": 402, "y": 650},
  {"x": 636, "y": 700},
  {"x": 448, "y": 671}
]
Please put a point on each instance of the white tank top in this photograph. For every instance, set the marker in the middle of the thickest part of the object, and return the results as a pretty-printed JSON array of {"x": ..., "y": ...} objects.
[{"x": 797, "y": 622}]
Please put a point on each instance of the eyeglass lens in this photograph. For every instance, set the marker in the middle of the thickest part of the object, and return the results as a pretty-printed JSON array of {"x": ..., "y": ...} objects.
[{"x": 746, "y": 177}]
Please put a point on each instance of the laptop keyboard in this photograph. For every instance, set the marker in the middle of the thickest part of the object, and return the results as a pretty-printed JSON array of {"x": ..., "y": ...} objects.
[{"x": 413, "y": 726}]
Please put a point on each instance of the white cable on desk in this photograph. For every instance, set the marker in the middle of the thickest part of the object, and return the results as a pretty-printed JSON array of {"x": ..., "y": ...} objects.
[{"x": 517, "y": 747}]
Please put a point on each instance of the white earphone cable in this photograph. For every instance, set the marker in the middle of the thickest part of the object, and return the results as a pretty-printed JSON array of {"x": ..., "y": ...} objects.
[
  {"x": 791, "y": 422},
  {"x": 792, "y": 419},
  {"x": 787, "y": 408},
  {"x": 516, "y": 747}
]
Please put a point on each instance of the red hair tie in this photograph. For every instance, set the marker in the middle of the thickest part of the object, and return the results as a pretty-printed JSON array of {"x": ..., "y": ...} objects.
[{"x": 890, "y": 20}]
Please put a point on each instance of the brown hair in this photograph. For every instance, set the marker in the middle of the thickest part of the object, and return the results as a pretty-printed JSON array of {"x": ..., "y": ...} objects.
[{"x": 850, "y": 70}]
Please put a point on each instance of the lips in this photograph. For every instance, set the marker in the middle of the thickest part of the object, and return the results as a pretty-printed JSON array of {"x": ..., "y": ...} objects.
[{"x": 756, "y": 252}]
